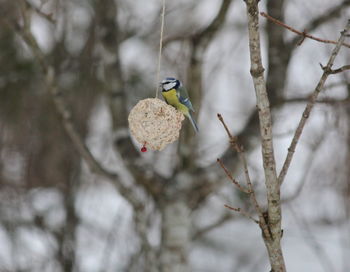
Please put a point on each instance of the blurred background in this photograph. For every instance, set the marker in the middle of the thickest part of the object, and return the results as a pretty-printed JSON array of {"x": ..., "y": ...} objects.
[{"x": 166, "y": 208}]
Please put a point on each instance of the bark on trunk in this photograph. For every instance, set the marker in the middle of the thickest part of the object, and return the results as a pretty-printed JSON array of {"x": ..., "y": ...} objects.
[
  {"x": 275, "y": 255},
  {"x": 175, "y": 237},
  {"x": 274, "y": 214}
]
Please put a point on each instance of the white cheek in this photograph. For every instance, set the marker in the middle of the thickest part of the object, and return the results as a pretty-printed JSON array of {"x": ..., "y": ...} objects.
[{"x": 169, "y": 86}]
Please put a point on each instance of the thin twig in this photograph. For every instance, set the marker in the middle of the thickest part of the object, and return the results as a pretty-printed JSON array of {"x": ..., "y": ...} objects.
[
  {"x": 242, "y": 213},
  {"x": 235, "y": 182},
  {"x": 301, "y": 33},
  {"x": 310, "y": 105},
  {"x": 240, "y": 151},
  {"x": 332, "y": 13}
]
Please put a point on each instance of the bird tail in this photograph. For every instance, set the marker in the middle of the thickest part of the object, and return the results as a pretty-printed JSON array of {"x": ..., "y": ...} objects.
[{"x": 193, "y": 122}]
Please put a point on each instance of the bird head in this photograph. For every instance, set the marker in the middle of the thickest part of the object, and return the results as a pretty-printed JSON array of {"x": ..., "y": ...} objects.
[{"x": 170, "y": 83}]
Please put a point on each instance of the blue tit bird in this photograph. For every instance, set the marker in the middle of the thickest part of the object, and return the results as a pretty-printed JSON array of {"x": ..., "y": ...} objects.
[{"x": 176, "y": 95}]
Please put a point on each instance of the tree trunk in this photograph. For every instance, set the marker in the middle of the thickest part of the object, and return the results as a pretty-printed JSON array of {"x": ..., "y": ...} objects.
[
  {"x": 275, "y": 255},
  {"x": 175, "y": 237},
  {"x": 274, "y": 213}
]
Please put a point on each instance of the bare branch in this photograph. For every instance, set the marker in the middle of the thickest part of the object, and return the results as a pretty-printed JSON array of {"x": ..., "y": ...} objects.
[
  {"x": 242, "y": 213},
  {"x": 301, "y": 33},
  {"x": 235, "y": 182},
  {"x": 323, "y": 18},
  {"x": 240, "y": 151},
  {"x": 326, "y": 72}
]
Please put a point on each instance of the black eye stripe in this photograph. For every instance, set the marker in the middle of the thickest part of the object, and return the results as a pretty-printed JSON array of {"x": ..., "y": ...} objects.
[{"x": 168, "y": 81}]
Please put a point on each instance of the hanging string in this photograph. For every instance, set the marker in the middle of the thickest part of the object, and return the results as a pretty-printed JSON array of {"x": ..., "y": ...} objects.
[{"x": 160, "y": 47}]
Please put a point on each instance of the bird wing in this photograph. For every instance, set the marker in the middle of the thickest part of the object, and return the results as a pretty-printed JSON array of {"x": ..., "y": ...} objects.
[{"x": 183, "y": 97}]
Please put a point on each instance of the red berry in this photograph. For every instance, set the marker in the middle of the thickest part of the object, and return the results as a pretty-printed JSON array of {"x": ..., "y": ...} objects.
[{"x": 143, "y": 149}]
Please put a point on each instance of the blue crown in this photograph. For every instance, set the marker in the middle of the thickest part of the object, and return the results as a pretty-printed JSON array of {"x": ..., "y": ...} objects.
[{"x": 170, "y": 78}]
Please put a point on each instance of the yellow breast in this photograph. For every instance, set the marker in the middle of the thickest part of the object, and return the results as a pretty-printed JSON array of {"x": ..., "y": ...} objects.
[{"x": 172, "y": 99}]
